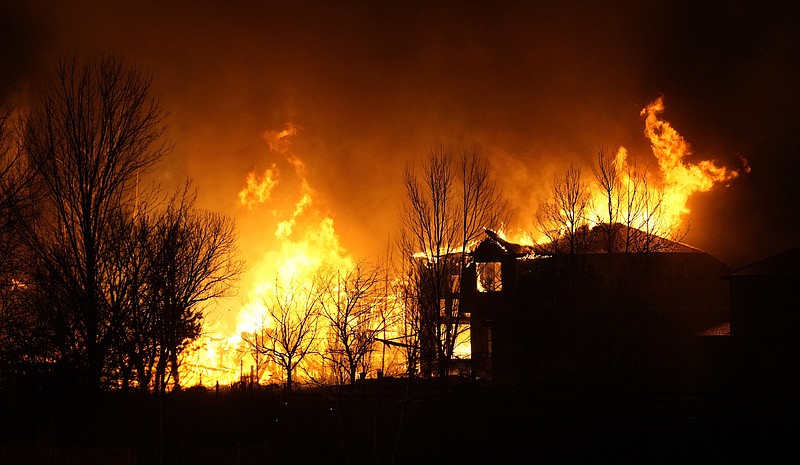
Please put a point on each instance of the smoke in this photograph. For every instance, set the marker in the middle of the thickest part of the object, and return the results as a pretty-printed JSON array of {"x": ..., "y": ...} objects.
[
  {"x": 24, "y": 33},
  {"x": 375, "y": 84}
]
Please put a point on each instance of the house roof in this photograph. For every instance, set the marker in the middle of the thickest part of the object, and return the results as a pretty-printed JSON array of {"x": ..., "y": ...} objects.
[
  {"x": 597, "y": 241},
  {"x": 505, "y": 246},
  {"x": 782, "y": 264},
  {"x": 593, "y": 242},
  {"x": 722, "y": 329}
]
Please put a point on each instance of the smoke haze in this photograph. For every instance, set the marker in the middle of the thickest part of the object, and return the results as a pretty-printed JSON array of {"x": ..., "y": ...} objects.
[{"x": 371, "y": 86}]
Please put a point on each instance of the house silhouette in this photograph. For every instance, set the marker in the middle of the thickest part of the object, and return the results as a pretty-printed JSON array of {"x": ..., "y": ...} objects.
[
  {"x": 654, "y": 319},
  {"x": 765, "y": 312}
]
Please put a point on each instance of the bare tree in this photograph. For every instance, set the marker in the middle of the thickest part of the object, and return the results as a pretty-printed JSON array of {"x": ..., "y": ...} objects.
[
  {"x": 17, "y": 206},
  {"x": 176, "y": 259},
  {"x": 563, "y": 217},
  {"x": 407, "y": 323},
  {"x": 632, "y": 206},
  {"x": 644, "y": 214},
  {"x": 96, "y": 128},
  {"x": 293, "y": 311},
  {"x": 608, "y": 174},
  {"x": 14, "y": 192},
  {"x": 448, "y": 203},
  {"x": 136, "y": 357},
  {"x": 352, "y": 308},
  {"x": 194, "y": 261}
]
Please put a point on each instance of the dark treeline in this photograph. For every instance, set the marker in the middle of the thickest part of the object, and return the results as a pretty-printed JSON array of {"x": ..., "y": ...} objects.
[
  {"x": 102, "y": 280},
  {"x": 385, "y": 422}
]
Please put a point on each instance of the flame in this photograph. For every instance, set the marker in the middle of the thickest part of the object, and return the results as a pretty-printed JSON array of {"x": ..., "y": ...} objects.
[
  {"x": 304, "y": 239},
  {"x": 680, "y": 178},
  {"x": 258, "y": 191},
  {"x": 517, "y": 236},
  {"x": 677, "y": 179}
]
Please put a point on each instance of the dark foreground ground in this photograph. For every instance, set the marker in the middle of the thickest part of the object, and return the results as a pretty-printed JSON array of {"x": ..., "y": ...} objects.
[{"x": 385, "y": 422}]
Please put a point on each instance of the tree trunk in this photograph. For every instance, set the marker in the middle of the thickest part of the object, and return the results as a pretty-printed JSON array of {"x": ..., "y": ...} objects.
[{"x": 289, "y": 369}]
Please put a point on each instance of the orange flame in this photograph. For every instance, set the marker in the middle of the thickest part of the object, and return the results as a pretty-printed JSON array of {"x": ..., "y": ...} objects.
[
  {"x": 258, "y": 191},
  {"x": 680, "y": 179},
  {"x": 304, "y": 239}
]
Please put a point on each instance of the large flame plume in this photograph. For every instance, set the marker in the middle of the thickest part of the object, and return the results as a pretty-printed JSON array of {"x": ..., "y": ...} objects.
[
  {"x": 676, "y": 180},
  {"x": 303, "y": 240},
  {"x": 681, "y": 179}
]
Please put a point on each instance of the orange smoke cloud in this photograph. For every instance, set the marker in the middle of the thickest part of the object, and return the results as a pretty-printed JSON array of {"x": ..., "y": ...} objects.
[{"x": 281, "y": 141}]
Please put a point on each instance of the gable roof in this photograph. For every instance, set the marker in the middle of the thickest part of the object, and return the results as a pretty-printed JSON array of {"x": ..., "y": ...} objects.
[
  {"x": 782, "y": 264},
  {"x": 597, "y": 240},
  {"x": 594, "y": 241}
]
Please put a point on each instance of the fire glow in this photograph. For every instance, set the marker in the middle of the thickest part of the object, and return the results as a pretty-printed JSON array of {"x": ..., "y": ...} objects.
[
  {"x": 676, "y": 181},
  {"x": 305, "y": 238},
  {"x": 680, "y": 179}
]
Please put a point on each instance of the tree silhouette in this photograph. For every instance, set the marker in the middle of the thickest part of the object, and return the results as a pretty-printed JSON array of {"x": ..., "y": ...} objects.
[
  {"x": 17, "y": 207},
  {"x": 448, "y": 203},
  {"x": 608, "y": 174},
  {"x": 351, "y": 306},
  {"x": 293, "y": 318},
  {"x": 96, "y": 129},
  {"x": 194, "y": 261},
  {"x": 632, "y": 217},
  {"x": 179, "y": 257},
  {"x": 563, "y": 217}
]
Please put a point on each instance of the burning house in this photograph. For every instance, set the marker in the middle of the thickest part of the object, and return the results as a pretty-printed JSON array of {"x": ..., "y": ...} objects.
[{"x": 537, "y": 313}]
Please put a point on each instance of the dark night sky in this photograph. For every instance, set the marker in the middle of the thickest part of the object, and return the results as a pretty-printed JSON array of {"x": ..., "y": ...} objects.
[{"x": 373, "y": 85}]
